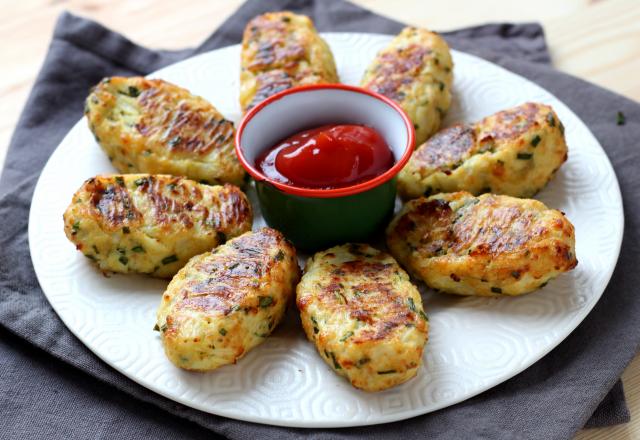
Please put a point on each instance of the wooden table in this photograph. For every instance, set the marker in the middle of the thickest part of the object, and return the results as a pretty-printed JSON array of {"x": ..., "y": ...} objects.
[{"x": 598, "y": 40}]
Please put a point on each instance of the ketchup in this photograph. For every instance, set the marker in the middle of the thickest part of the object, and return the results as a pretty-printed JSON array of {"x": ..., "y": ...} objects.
[{"x": 331, "y": 156}]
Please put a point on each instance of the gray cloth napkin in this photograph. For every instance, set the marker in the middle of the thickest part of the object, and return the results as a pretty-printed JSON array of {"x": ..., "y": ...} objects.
[{"x": 52, "y": 386}]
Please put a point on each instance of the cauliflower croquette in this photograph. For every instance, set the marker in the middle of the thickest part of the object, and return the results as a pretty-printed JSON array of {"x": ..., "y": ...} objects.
[
  {"x": 364, "y": 316},
  {"x": 489, "y": 245},
  {"x": 514, "y": 152},
  {"x": 281, "y": 50},
  {"x": 225, "y": 302},
  {"x": 152, "y": 126},
  {"x": 152, "y": 224},
  {"x": 415, "y": 70}
]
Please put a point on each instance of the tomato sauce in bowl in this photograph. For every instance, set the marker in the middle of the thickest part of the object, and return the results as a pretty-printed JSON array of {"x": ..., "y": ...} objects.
[{"x": 327, "y": 157}]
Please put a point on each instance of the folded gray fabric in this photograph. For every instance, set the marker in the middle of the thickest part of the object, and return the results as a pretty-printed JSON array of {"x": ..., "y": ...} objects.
[{"x": 52, "y": 386}]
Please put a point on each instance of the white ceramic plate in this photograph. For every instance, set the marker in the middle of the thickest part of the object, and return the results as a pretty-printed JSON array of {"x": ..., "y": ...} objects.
[{"x": 474, "y": 343}]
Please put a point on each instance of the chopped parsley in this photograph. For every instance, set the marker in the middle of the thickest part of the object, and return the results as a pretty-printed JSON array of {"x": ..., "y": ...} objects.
[
  {"x": 524, "y": 156},
  {"x": 496, "y": 290},
  {"x": 175, "y": 141},
  {"x": 316, "y": 330},
  {"x": 387, "y": 372},
  {"x": 223, "y": 331},
  {"x": 535, "y": 141},
  {"x": 551, "y": 120},
  {"x": 346, "y": 336},
  {"x": 336, "y": 365},
  {"x": 412, "y": 305},
  {"x": 139, "y": 249},
  {"x": 265, "y": 301},
  {"x": 162, "y": 328},
  {"x": 620, "y": 118},
  {"x": 124, "y": 260},
  {"x": 134, "y": 92},
  {"x": 170, "y": 259}
]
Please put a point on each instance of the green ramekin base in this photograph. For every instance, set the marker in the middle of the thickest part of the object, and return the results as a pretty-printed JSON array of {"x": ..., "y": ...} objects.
[{"x": 312, "y": 224}]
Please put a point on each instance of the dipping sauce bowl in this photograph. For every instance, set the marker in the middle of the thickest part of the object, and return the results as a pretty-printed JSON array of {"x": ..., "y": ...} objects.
[{"x": 315, "y": 218}]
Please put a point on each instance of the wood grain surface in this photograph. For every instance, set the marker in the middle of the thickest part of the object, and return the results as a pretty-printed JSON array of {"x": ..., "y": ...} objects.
[{"x": 598, "y": 40}]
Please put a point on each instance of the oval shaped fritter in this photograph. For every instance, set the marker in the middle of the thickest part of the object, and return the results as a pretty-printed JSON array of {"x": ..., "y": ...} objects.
[
  {"x": 225, "y": 302},
  {"x": 513, "y": 152},
  {"x": 364, "y": 316},
  {"x": 415, "y": 70},
  {"x": 281, "y": 50},
  {"x": 486, "y": 246},
  {"x": 152, "y": 126},
  {"x": 152, "y": 224}
]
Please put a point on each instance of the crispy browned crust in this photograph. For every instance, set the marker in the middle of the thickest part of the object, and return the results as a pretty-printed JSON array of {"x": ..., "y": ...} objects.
[
  {"x": 187, "y": 129},
  {"x": 185, "y": 123},
  {"x": 111, "y": 203},
  {"x": 230, "y": 276},
  {"x": 281, "y": 50},
  {"x": 447, "y": 147},
  {"x": 270, "y": 83},
  {"x": 382, "y": 311},
  {"x": 270, "y": 45},
  {"x": 169, "y": 201},
  {"x": 511, "y": 123},
  {"x": 396, "y": 69}
]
